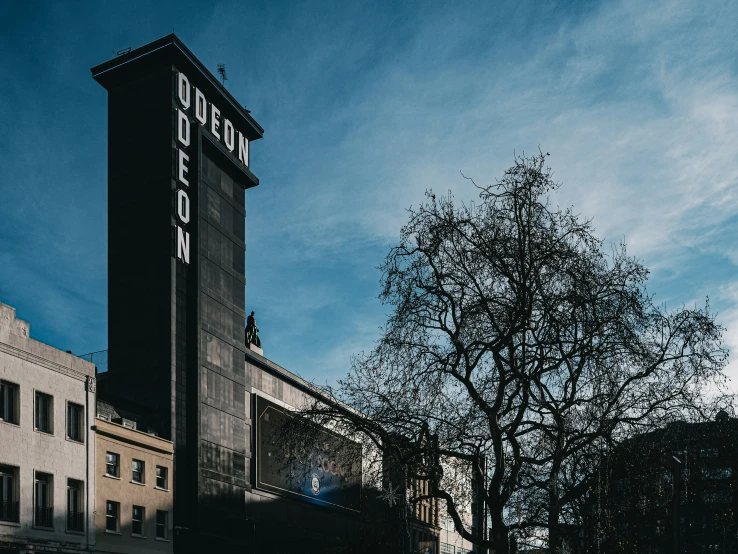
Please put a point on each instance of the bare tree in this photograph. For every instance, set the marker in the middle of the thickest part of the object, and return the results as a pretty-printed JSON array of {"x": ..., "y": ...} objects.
[{"x": 516, "y": 349}]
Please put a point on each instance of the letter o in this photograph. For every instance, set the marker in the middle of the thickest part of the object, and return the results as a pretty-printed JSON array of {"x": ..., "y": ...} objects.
[
  {"x": 183, "y": 206},
  {"x": 229, "y": 135},
  {"x": 183, "y": 90}
]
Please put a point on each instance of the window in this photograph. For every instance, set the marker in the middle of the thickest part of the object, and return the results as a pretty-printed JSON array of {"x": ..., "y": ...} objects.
[
  {"x": 716, "y": 472},
  {"x": 9, "y": 505},
  {"x": 161, "y": 524},
  {"x": 716, "y": 497},
  {"x": 75, "y": 414},
  {"x": 75, "y": 514},
  {"x": 44, "y": 412},
  {"x": 112, "y": 511},
  {"x": 9, "y": 402},
  {"x": 137, "y": 521},
  {"x": 137, "y": 472},
  {"x": 44, "y": 513},
  {"x": 161, "y": 477},
  {"x": 112, "y": 464}
]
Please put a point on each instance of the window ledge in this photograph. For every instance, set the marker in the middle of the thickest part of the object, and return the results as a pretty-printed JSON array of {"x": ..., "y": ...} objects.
[
  {"x": 162, "y": 540},
  {"x": 109, "y": 532},
  {"x": 10, "y": 523},
  {"x": 138, "y": 536},
  {"x": 41, "y": 528},
  {"x": 160, "y": 489},
  {"x": 47, "y": 433},
  {"x": 111, "y": 477},
  {"x": 75, "y": 441},
  {"x": 73, "y": 532},
  {"x": 17, "y": 424},
  {"x": 139, "y": 483}
]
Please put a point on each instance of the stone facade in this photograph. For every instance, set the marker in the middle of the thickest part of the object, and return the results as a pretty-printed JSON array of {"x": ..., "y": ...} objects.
[
  {"x": 46, "y": 447},
  {"x": 124, "y": 488}
]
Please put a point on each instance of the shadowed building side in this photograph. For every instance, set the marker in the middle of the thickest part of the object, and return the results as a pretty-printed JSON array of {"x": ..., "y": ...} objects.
[{"x": 178, "y": 167}]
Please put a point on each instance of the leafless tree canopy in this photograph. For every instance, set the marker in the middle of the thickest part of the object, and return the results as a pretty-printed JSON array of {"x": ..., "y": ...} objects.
[{"x": 517, "y": 350}]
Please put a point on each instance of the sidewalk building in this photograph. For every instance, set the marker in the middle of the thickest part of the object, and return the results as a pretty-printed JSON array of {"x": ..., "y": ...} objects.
[
  {"x": 133, "y": 513},
  {"x": 47, "y": 478}
]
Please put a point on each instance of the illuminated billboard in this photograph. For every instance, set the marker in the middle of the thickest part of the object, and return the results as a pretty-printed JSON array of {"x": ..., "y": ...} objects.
[{"x": 329, "y": 474}]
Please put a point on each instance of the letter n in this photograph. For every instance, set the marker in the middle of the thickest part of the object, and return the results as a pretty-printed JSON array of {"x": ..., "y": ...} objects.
[{"x": 183, "y": 245}]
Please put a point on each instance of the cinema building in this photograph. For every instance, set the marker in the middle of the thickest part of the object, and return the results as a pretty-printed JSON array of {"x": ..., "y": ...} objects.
[{"x": 179, "y": 167}]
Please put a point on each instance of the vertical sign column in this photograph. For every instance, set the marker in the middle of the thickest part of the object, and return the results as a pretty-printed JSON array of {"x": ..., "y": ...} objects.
[{"x": 182, "y": 139}]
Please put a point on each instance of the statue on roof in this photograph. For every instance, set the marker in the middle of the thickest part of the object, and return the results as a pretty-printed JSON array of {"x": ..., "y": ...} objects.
[{"x": 252, "y": 331}]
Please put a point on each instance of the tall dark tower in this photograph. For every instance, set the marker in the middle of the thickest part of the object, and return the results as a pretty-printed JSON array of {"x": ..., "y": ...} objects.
[{"x": 178, "y": 168}]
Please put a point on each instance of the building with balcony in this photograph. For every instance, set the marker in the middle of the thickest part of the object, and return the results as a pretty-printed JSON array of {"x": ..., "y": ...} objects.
[{"x": 47, "y": 482}]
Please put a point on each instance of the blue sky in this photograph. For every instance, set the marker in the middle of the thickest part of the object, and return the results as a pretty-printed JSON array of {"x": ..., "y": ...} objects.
[{"x": 365, "y": 105}]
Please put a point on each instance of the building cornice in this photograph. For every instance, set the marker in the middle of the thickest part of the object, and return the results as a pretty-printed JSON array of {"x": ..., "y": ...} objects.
[{"x": 43, "y": 362}]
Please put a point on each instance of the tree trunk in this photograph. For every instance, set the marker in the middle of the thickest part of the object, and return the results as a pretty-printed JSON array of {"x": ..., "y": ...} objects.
[
  {"x": 500, "y": 534},
  {"x": 555, "y": 537}
]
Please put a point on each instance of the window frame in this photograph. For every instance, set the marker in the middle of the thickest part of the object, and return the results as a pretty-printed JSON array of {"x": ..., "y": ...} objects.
[
  {"x": 80, "y": 423},
  {"x": 141, "y": 521},
  {"x": 115, "y": 517},
  {"x": 164, "y": 526},
  {"x": 165, "y": 478},
  {"x": 78, "y": 486},
  {"x": 41, "y": 479},
  {"x": 142, "y": 481},
  {"x": 10, "y": 499},
  {"x": 5, "y": 388},
  {"x": 117, "y": 465},
  {"x": 49, "y": 420}
]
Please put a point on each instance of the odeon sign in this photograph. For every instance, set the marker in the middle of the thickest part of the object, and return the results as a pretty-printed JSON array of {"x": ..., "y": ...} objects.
[{"x": 208, "y": 116}]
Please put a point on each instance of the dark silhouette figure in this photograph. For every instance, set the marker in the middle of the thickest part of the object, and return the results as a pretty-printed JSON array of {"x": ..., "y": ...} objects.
[{"x": 252, "y": 336}]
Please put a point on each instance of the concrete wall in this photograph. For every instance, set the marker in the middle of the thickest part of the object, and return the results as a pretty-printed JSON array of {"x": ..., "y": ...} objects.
[
  {"x": 153, "y": 451},
  {"x": 34, "y": 366}
]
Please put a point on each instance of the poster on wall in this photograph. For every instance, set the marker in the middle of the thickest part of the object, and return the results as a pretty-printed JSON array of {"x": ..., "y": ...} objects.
[{"x": 328, "y": 475}]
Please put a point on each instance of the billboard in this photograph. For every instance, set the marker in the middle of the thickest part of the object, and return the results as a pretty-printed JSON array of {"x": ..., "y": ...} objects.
[{"x": 329, "y": 474}]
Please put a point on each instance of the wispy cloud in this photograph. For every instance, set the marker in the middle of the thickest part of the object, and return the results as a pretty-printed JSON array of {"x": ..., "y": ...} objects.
[{"x": 636, "y": 102}]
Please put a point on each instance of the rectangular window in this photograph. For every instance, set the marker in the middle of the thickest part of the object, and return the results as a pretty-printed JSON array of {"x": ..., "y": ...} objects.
[
  {"x": 161, "y": 524},
  {"x": 75, "y": 513},
  {"x": 137, "y": 472},
  {"x": 716, "y": 472},
  {"x": 9, "y": 403},
  {"x": 716, "y": 497},
  {"x": 112, "y": 464},
  {"x": 44, "y": 412},
  {"x": 75, "y": 413},
  {"x": 9, "y": 505},
  {"x": 161, "y": 477},
  {"x": 112, "y": 511},
  {"x": 137, "y": 521},
  {"x": 44, "y": 502}
]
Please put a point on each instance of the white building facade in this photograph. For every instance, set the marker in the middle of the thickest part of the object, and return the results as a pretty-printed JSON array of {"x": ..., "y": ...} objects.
[{"x": 47, "y": 481}]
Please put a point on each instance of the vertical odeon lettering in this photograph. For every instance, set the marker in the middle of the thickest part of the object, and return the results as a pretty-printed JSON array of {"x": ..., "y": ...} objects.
[
  {"x": 192, "y": 106},
  {"x": 182, "y": 201}
]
